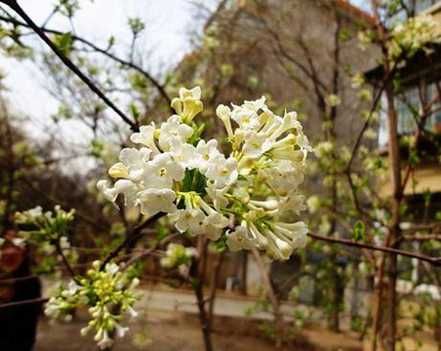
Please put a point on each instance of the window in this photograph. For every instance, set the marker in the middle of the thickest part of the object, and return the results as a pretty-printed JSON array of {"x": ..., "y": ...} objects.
[
  {"x": 410, "y": 108},
  {"x": 421, "y": 5}
]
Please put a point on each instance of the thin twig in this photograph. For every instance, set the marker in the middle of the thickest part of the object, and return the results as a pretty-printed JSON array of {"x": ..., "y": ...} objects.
[
  {"x": 435, "y": 261},
  {"x": 65, "y": 260},
  {"x": 104, "y": 52},
  {"x": 24, "y": 302},
  {"x": 132, "y": 238},
  {"x": 68, "y": 62}
]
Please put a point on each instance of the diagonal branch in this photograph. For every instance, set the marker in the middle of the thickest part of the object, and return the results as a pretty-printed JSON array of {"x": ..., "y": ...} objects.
[
  {"x": 68, "y": 62},
  {"x": 102, "y": 51},
  {"x": 131, "y": 239}
]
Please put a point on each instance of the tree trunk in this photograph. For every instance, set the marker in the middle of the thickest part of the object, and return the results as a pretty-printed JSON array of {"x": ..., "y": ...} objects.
[
  {"x": 275, "y": 302},
  {"x": 394, "y": 227}
]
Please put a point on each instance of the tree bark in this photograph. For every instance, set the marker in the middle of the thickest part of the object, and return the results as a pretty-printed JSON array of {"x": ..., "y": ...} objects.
[
  {"x": 275, "y": 302},
  {"x": 394, "y": 227}
]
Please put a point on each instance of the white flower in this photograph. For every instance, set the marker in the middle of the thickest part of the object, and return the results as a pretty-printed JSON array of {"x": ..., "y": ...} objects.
[
  {"x": 221, "y": 171},
  {"x": 118, "y": 170},
  {"x": 279, "y": 249},
  {"x": 146, "y": 136},
  {"x": 112, "y": 268},
  {"x": 64, "y": 243},
  {"x": 186, "y": 155},
  {"x": 295, "y": 233},
  {"x": 283, "y": 176},
  {"x": 162, "y": 171},
  {"x": 20, "y": 242},
  {"x": 313, "y": 203},
  {"x": 214, "y": 224},
  {"x": 104, "y": 341},
  {"x": 217, "y": 196},
  {"x": 132, "y": 313},
  {"x": 191, "y": 220},
  {"x": 120, "y": 330},
  {"x": 207, "y": 151},
  {"x": 246, "y": 115},
  {"x": 240, "y": 239},
  {"x": 135, "y": 160},
  {"x": 154, "y": 200},
  {"x": 224, "y": 113},
  {"x": 188, "y": 104},
  {"x": 171, "y": 130},
  {"x": 255, "y": 144},
  {"x": 122, "y": 186},
  {"x": 258, "y": 238},
  {"x": 35, "y": 212},
  {"x": 255, "y": 105},
  {"x": 52, "y": 308},
  {"x": 294, "y": 202}
]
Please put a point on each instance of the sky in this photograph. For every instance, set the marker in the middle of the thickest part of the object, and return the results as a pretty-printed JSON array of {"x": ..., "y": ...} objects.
[{"x": 166, "y": 38}]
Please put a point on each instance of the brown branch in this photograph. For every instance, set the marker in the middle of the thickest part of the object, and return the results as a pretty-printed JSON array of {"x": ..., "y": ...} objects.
[
  {"x": 435, "y": 261},
  {"x": 131, "y": 239},
  {"x": 422, "y": 237},
  {"x": 24, "y": 302},
  {"x": 18, "y": 279},
  {"x": 65, "y": 260}
]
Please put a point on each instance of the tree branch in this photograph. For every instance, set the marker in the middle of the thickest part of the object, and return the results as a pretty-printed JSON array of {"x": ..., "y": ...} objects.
[
  {"x": 132, "y": 238},
  {"x": 435, "y": 261},
  {"x": 17, "y": 8},
  {"x": 65, "y": 260},
  {"x": 24, "y": 302},
  {"x": 102, "y": 51}
]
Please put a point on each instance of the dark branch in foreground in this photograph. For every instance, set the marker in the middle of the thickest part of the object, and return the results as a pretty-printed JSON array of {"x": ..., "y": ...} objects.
[
  {"x": 17, "y": 8},
  {"x": 132, "y": 238}
]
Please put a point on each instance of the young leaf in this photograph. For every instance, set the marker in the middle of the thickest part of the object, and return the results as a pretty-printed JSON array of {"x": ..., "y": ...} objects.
[{"x": 359, "y": 231}]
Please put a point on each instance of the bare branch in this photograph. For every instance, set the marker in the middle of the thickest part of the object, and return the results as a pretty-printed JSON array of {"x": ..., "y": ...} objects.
[{"x": 68, "y": 62}]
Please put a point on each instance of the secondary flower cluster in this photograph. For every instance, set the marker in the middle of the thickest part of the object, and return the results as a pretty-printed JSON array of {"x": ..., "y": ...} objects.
[
  {"x": 412, "y": 35},
  {"x": 107, "y": 293},
  {"x": 247, "y": 198},
  {"x": 178, "y": 256},
  {"x": 45, "y": 228}
]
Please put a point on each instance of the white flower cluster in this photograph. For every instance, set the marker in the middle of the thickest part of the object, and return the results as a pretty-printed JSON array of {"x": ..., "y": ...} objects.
[
  {"x": 178, "y": 256},
  {"x": 247, "y": 198},
  {"x": 412, "y": 35},
  {"x": 45, "y": 228},
  {"x": 107, "y": 293}
]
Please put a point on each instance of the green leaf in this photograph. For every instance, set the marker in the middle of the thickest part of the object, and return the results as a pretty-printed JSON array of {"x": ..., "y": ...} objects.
[
  {"x": 64, "y": 43},
  {"x": 199, "y": 183},
  {"x": 194, "y": 181},
  {"x": 220, "y": 245},
  {"x": 359, "y": 231},
  {"x": 162, "y": 232},
  {"x": 188, "y": 180}
]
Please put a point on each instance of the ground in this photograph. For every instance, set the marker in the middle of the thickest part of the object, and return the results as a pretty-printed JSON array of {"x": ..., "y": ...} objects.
[
  {"x": 168, "y": 322},
  {"x": 165, "y": 331}
]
